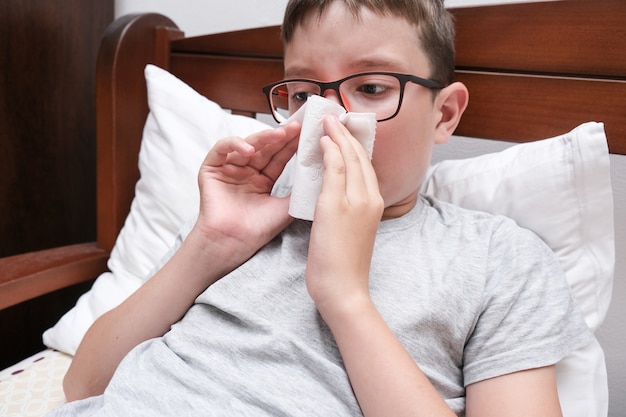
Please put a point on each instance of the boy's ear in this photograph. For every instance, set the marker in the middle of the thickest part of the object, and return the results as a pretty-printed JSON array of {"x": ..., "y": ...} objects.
[{"x": 451, "y": 101}]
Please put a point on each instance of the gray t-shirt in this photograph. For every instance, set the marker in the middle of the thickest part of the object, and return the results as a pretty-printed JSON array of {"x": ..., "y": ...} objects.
[{"x": 471, "y": 296}]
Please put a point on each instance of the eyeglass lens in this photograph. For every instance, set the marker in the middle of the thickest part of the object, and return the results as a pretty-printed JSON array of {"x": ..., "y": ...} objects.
[{"x": 371, "y": 93}]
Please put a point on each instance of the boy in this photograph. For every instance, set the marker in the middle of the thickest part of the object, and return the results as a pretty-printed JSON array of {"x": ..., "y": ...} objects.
[{"x": 432, "y": 311}]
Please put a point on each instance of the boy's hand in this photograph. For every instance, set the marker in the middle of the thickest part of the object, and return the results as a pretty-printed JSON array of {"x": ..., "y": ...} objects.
[
  {"x": 347, "y": 215},
  {"x": 235, "y": 181}
]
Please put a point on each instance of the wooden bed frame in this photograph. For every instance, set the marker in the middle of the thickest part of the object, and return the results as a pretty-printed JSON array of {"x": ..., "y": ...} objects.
[{"x": 533, "y": 70}]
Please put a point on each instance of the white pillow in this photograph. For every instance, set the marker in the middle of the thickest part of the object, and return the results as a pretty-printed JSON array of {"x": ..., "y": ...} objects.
[
  {"x": 560, "y": 189},
  {"x": 181, "y": 127}
]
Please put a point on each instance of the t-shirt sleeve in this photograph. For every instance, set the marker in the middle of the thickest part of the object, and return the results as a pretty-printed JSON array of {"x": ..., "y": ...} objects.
[{"x": 529, "y": 318}]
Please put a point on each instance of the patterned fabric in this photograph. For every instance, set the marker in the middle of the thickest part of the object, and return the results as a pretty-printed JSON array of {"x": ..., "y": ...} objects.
[{"x": 34, "y": 386}]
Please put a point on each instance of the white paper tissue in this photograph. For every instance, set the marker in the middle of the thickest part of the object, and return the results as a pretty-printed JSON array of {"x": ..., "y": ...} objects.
[{"x": 309, "y": 169}]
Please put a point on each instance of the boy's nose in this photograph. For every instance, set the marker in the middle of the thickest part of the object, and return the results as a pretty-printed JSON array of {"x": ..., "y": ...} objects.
[{"x": 332, "y": 95}]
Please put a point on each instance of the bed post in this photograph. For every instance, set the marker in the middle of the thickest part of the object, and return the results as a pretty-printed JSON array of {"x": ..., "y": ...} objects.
[{"x": 129, "y": 44}]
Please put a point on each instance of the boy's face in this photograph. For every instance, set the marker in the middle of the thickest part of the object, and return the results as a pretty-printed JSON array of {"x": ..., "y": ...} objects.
[{"x": 339, "y": 45}]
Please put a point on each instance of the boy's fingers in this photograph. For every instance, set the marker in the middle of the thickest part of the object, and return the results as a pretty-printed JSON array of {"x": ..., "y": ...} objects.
[
  {"x": 334, "y": 179},
  {"x": 274, "y": 148},
  {"x": 277, "y": 162},
  {"x": 264, "y": 151},
  {"x": 353, "y": 154},
  {"x": 270, "y": 136},
  {"x": 223, "y": 150}
]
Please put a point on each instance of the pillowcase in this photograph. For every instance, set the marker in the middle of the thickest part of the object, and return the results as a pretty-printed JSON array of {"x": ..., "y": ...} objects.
[{"x": 181, "y": 127}]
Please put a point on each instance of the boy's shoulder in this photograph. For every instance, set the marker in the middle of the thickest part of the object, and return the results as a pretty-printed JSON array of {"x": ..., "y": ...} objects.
[
  {"x": 475, "y": 226},
  {"x": 450, "y": 213}
]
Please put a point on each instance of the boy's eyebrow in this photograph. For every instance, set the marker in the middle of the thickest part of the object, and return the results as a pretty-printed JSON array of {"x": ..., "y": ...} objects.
[
  {"x": 296, "y": 72},
  {"x": 379, "y": 63}
]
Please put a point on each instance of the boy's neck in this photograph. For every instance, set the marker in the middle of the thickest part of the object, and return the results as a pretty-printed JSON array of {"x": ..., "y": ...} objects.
[{"x": 400, "y": 208}]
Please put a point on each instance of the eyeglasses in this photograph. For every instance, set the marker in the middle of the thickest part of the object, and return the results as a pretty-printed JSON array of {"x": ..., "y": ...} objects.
[{"x": 369, "y": 92}]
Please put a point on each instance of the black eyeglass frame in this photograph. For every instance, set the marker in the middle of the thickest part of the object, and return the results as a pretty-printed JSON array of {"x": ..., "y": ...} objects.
[{"x": 334, "y": 85}]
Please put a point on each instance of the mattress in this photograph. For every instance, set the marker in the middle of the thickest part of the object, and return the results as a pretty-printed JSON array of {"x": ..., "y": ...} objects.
[{"x": 34, "y": 386}]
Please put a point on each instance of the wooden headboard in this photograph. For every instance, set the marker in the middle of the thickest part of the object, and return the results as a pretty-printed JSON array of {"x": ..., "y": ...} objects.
[{"x": 534, "y": 70}]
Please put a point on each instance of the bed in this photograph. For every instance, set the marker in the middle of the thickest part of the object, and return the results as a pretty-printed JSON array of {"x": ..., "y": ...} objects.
[{"x": 535, "y": 71}]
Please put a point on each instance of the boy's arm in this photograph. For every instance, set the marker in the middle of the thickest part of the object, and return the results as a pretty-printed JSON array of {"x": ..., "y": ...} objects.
[
  {"x": 147, "y": 313},
  {"x": 237, "y": 216},
  {"x": 526, "y": 393}
]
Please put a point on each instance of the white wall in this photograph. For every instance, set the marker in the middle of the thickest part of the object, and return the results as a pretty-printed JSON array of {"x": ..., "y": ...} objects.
[{"x": 199, "y": 17}]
